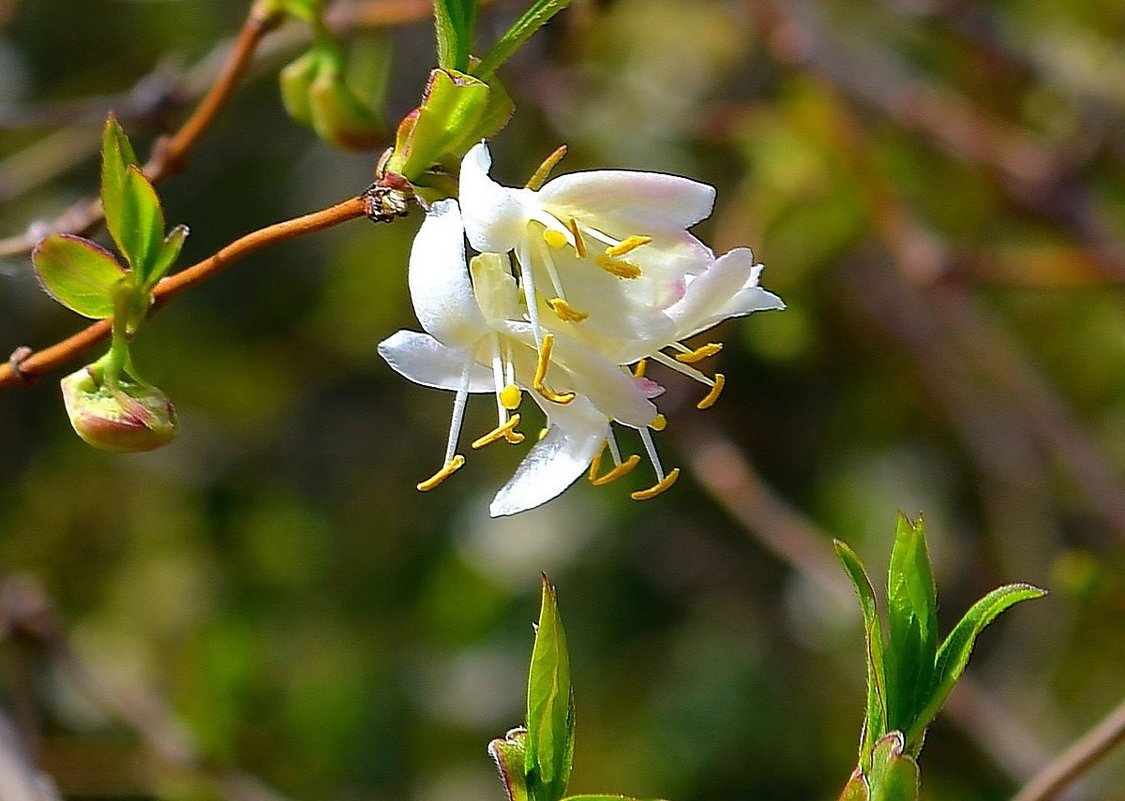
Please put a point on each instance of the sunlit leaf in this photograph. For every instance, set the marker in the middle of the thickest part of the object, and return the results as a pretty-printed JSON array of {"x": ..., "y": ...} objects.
[
  {"x": 532, "y": 20},
  {"x": 117, "y": 157},
  {"x": 78, "y": 274},
  {"x": 169, "y": 251},
  {"x": 510, "y": 755},
  {"x": 550, "y": 706},
  {"x": 893, "y": 775},
  {"x": 454, "y": 21},
  {"x": 142, "y": 223}
]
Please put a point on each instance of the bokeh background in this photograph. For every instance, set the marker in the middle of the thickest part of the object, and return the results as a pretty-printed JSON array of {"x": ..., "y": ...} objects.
[{"x": 267, "y": 609}]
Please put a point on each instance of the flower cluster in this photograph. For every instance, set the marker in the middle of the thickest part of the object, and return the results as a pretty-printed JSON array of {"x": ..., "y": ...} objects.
[{"x": 575, "y": 287}]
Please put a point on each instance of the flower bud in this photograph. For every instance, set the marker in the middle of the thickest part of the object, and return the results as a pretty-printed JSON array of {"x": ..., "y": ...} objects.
[
  {"x": 296, "y": 79},
  {"x": 133, "y": 416},
  {"x": 338, "y": 116}
]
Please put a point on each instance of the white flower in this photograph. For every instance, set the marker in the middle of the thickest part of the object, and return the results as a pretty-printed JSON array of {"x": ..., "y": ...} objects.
[{"x": 475, "y": 342}]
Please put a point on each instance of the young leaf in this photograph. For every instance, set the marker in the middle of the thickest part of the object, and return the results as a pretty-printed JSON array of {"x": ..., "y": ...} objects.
[
  {"x": 912, "y": 614},
  {"x": 958, "y": 646},
  {"x": 856, "y": 789},
  {"x": 875, "y": 715},
  {"x": 550, "y": 706},
  {"x": 169, "y": 251},
  {"x": 117, "y": 158},
  {"x": 141, "y": 232},
  {"x": 78, "y": 274},
  {"x": 454, "y": 21},
  {"x": 532, "y": 20},
  {"x": 510, "y": 756}
]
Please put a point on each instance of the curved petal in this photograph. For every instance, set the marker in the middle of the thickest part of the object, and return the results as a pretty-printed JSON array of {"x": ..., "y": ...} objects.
[
  {"x": 425, "y": 361},
  {"x": 495, "y": 221},
  {"x": 440, "y": 288},
  {"x": 574, "y": 435},
  {"x": 663, "y": 200}
]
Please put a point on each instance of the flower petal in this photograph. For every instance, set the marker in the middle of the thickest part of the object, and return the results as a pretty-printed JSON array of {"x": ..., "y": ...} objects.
[
  {"x": 575, "y": 433},
  {"x": 658, "y": 199},
  {"x": 495, "y": 221},
  {"x": 440, "y": 288},
  {"x": 425, "y": 361}
]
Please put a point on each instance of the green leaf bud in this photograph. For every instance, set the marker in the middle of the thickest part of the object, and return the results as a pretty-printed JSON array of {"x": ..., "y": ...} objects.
[
  {"x": 130, "y": 415},
  {"x": 338, "y": 116},
  {"x": 296, "y": 79}
]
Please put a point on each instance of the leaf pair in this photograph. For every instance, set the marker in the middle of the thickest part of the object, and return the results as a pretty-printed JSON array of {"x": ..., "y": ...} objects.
[
  {"x": 85, "y": 277},
  {"x": 455, "y": 20},
  {"x": 535, "y": 761},
  {"x": 908, "y": 676}
]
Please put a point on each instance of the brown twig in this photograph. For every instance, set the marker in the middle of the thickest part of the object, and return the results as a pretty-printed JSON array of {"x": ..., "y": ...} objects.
[
  {"x": 36, "y": 364},
  {"x": 1077, "y": 759}
]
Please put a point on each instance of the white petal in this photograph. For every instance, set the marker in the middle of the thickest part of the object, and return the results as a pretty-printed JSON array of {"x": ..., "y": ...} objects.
[
  {"x": 425, "y": 361},
  {"x": 495, "y": 221},
  {"x": 439, "y": 279},
  {"x": 636, "y": 196},
  {"x": 713, "y": 289},
  {"x": 575, "y": 434}
]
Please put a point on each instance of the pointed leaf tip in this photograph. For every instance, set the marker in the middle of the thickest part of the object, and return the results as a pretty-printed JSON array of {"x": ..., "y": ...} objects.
[{"x": 550, "y": 708}]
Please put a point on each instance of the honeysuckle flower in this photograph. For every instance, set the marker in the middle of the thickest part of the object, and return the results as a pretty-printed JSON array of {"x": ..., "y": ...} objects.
[{"x": 477, "y": 342}]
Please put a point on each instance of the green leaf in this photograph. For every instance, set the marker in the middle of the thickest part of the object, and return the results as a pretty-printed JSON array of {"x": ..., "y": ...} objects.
[
  {"x": 912, "y": 615},
  {"x": 606, "y": 798},
  {"x": 142, "y": 223},
  {"x": 856, "y": 788},
  {"x": 894, "y": 774},
  {"x": 78, "y": 274},
  {"x": 510, "y": 756},
  {"x": 296, "y": 79},
  {"x": 117, "y": 157},
  {"x": 954, "y": 653},
  {"x": 532, "y": 20},
  {"x": 875, "y": 714},
  {"x": 454, "y": 21},
  {"x": 550, "y": 705},
  {"x": 305, "y": 10},
  {"x": 169, "y": 252}
]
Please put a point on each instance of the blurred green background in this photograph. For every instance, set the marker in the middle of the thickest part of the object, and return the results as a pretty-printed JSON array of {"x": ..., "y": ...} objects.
[{"x": 937, "y": 189}]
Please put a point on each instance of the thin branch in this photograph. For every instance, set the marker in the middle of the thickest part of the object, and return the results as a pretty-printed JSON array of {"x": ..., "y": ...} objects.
[
  {"x": 1077, "y": 759},
  {"x": 35, "y": 364}
]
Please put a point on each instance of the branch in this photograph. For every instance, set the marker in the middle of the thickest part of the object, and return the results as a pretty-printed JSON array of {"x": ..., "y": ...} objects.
[
  {"x": 25, "y": 366},
  {"x": 1077, "y": 759},
  {"x": 169, "y": 153}
]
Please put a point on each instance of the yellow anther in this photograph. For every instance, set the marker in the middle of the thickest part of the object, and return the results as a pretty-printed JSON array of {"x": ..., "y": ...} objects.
[
  {"x": 713, "y": 395},
  {"x": 510, "y": 397},
  {"x": 700, "y": 353},
  {"x": 451, "y": 467},
  {"x": 617, "y": 472},
  {"x": 566, "y": 312},
  {"x": 579, "y": 242},
  {"x": 661, "y": 486},
  {"x": 542, "y": 433},
  {"x": 596, "y": 463},
  {"x": 622, "y": 269},
  {"x": 630, "y": 244},
  {"x": 541, "y": 374},
  {"x": 555, "y": 239},
  {"x": 639, "y": 368},
  {"x": 539, "y": 177},
  {"x": 659, "y": 423},
  {"x": 506, "y": 431}
]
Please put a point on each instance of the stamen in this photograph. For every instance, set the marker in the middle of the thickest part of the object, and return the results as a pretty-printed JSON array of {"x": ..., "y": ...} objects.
[
  {"x": 622, "y": 269},
  {"x": 510, "y": 397},
  {"x": 527, "y": 277},
  {"x": 539, "y": 177},
  {"x": 713, "y": 395},
  {"x": 613, "y": 449},
  {"x": 620, "y": 470},
  {"x": 506, "y": 431},
  {"x": 629, "y": 244},
  {"x": 682, "y": 369},
  {"x": 579, "y": 242},
  {"x": 566, "y": 312},
  {"x": 543, "y": 432},
  {"x": 545, "y": 349},
  {"x": 555, "y": 239},
  {"x": 440, "y": 476},
  {"x": 639, "y": 368},
  {"x": 498, "y": 379},
  {"x": 552, "y": 272},
  {"x": 595, "y": 464},
  {"x": 658, "y": 488},
  {"x": 699, "y": 354},
  {"x": 659, "y": 423}
]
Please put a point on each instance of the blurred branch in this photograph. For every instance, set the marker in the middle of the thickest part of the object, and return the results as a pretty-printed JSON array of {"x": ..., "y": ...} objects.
[
  {"x": 1077, "y": 759},
  {"x": 1033, "y": 174},
  {"x": 28, "y": 612},
  {"x": 26, "y": 365},
  {"x": 726, "y": 474},
  {"x": 19, "y": 779}
]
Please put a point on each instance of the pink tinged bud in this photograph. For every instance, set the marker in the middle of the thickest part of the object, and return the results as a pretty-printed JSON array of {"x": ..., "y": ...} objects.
[{"x": 132, "y": 417}]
